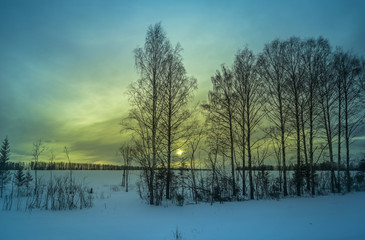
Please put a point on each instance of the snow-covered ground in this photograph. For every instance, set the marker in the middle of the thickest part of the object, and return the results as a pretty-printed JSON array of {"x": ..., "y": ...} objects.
[{"x": 120, "y": 215}]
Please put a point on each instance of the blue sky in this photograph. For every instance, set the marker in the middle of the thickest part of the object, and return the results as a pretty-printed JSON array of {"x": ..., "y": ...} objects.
[{"x": 65, "y": 65}]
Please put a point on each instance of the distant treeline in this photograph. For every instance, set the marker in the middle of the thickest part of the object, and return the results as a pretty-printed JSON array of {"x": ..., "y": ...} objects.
[
  {"x": 66, "y": 166},
  {"x": 324, "y": 166}
]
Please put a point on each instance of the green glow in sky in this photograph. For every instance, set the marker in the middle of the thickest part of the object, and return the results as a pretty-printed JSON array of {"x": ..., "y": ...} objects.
[{"x": 65, "y": 65}]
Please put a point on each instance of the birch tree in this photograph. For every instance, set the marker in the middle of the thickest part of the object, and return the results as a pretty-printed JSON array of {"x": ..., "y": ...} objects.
[
  {"x": 250, "y": 91},
  {"x": 315, "y": 55},
  {"x": 294, "y": 71},
  {"x": 177, "y": 90},
  {"x": 327, "y": 100},
  {"x": 221, "y": 108},
  {"x": 271, "y": 69},
  {"x": 38, "y": 149},
  {"x": 348, "y": 71},
  {"x": 145, "y": 98},
  {"x": 127, "y": 152}
]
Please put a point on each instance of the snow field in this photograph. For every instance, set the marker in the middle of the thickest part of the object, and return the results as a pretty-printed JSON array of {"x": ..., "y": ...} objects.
[{"x": 120, "y": 215}]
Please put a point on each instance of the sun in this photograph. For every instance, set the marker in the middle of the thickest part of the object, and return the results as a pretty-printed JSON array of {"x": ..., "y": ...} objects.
[{"x": 179, "y": 152}]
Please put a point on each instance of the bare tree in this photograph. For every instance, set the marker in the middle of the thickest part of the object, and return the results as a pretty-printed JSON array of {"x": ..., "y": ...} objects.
[
  {"x": 240, "y": 120},
  {"x": 127, "y": 152},
  {"x": 221, "y": 108},
  {"x": 52, "y": 157},
  {"x": 271, "y": 69},
  {"x": 51, "y": 192},
  {"x": 38, "y": 149},
  {"x": 177, "y": 90},
  {"x": 274, "y": 134},
  {"x": 146, "y": 100},
  {"x": 348, "y": 71},
  {"x": 193, "y": 146},
  {"x": 327, "y": 101},
  {"x": 294, "y": 71},
  {"x": 315, "y": 56},
  {"x": 262, "y": 176},
  {"x": 67, "y": 152},
  {"x": 249, "y": 89},
  {"x": 214, "y": 138}
]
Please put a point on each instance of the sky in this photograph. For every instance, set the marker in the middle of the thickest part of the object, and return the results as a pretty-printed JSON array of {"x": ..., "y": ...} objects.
[{"x": 65, "y": 66}]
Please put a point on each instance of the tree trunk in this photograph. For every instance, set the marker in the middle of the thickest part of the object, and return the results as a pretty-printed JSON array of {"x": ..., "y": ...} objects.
[
  {"x": 282, "y": 128},
  {"x": 339, "y": 141},
  {"x": 243, "y": 158},
  {"x": 168, "y": 178},
  {"x": 311, "y": 167},
  {"x": 249, "y": 156},
  {"x": 299, "y": 171},
  {"x": 232, "y": 157},
  {"x": 36, "y": 177},
  {"x": 192, "y": 169},
  {"x": 123, "y": 177},
  {"x": 311, "y": 121},
  {"x": 307, "y": 172},
  {"x": 126, "y": 180},
  {"x": 154, "y": 130},
  {"x": 327, "y": 122},
  {"x": 347, "y": 138}
]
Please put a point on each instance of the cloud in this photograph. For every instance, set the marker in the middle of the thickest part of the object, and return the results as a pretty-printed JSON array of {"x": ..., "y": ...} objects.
[
  {"x": 65, "y": 66},
  {"x": 96, "y": 142}
]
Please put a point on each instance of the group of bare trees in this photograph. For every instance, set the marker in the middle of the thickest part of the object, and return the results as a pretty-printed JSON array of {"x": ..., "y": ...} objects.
[
  {"x": 298, "y": 93},
  {"x": 297, "y": 99},
  {"x": 234, "y": 111},
  {"x": 159, "y": 116}
]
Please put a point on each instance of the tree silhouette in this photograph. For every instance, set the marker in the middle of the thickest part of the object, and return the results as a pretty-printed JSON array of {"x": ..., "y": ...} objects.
[
  {"x": 38, "y": 149},
  {"x": 271, "y": 70},
  {"x": 176, "y": 92},
  {"x": 251, "y": 92},
  {"x": 221, "y": 108},
  {"x": 4, "y": 158}
]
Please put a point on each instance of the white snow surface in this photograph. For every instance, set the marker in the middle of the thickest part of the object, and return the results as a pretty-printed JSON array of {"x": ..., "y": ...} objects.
[{"x": 120, "y": 215}]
